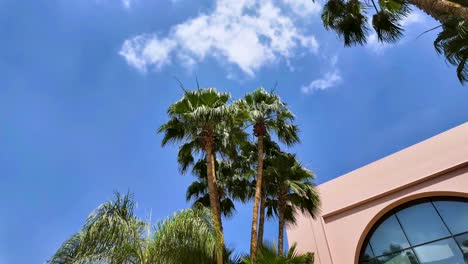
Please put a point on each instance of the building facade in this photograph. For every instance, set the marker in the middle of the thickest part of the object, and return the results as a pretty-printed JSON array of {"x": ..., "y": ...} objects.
[{"x": 409, "y": 207}]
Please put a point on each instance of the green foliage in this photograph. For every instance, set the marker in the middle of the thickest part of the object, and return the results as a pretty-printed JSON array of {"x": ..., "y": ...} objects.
[
  {"x": 287, "y": 179},
  {"x": 186, "y": 237},
  {"x": 233, "y": 183},
  {"x": 387, "y": 27},
  {"x": 201, "y": 117},
  {"x": 452, "y": 42},
  {"x": 266, "y": 112},
  {"x": 113, "y": 235},
  {"x": 268, "y": 254},
  {"x": 348, "y": 18}
]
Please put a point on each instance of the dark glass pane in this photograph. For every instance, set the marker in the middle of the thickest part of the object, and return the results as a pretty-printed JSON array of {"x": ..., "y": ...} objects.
[
  {"x": 372, "y": 261},
  {"x": 422, "y": 223},
  {"x": 367, "y": 254},
  {"x": 404, "y": 257},
  {"x": 462, "y": 241},
  {"x": 455, "y": 215},
  {"x": 388, "y": 237},
  {"x": 441, "y": 252}
]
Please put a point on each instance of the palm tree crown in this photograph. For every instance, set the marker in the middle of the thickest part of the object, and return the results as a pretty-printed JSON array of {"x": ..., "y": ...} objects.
[
  {"x": 349, "y": 19},
  {"x": 112, "y": 234}
]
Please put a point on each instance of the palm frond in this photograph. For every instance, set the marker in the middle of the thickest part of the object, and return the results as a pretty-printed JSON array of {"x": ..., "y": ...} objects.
[
  {"x": 452, "y": 42},
  {"x": 387, "y": 27},
  {"x": 347, "y": 19}
]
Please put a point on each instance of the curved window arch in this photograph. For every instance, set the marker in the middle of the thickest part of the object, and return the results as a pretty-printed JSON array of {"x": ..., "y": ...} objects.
[{"x": 424, "y": 231}]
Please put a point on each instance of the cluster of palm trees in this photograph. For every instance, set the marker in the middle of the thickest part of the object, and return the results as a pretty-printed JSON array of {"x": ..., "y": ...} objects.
[
  {"x": 112, "y": 234},
  {"x": 349, "y": 19},
  {"x": 230, "y": 166},
  {"x": 213, "y": 135}
]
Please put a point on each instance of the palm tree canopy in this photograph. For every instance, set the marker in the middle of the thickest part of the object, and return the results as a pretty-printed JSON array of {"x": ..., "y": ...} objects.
[
  {"x": 452, "y": 42},
  {"x": 232, "y": 184},
  {"x": 268, "y": 254},
  {"x": 265, "y": 111},
  {"x": 188, "y": 236},
  {"x": 202, "y": 117},
  {"x": 287, "y": 175},
  {"x": 349, "y": 19},
  {"x": 112, "y": 234}
]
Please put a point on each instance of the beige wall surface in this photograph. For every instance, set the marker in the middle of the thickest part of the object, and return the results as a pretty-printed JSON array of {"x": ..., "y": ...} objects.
[{"x": 352, "y": 203}]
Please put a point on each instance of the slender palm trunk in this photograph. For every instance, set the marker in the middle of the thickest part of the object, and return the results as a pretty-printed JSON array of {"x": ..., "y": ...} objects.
[
  {"x": 214, "y": 199},
  {"x": 258, "y": 192},
  {"x": 261, "y": 222},
  {"x": 281, "y": 205},
  {"x": 440, "y": 8}
]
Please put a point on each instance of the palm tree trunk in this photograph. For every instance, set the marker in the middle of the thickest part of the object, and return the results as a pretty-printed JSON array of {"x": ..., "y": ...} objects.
[
  {"x": 261, "y": 223},
  {"x": 440, "y": 8},
  {"x": 280, "y": 226},
  {"x": 214, "y": 199},
  {"x": 258, "y": 192}
]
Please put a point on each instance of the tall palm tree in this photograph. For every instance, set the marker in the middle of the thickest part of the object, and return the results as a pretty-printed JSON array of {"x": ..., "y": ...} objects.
[
  {"x": 233, "y": 185},
  {"x": 200, "y": 120},
  {"x": 348, "y": 18},
  {"x": 291, "y": 190},
  {"x": 271, "y": 150},
  {"x": 112, "y": 234},
  {"x": 266, "y": 113}
]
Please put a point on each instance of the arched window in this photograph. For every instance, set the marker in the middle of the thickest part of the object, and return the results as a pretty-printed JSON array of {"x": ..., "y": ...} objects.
[{"x": 425, "y": 231}]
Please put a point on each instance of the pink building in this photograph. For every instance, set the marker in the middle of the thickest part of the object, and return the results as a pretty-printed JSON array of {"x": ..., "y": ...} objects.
[{"x": 409, "y": 207}]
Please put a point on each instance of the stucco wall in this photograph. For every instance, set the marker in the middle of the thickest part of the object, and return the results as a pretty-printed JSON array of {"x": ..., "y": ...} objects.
[{"x": 352, "y": 203}]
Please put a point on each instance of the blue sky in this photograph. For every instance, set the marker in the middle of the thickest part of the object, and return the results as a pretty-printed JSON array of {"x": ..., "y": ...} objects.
[{"x": 85, "y": 84}]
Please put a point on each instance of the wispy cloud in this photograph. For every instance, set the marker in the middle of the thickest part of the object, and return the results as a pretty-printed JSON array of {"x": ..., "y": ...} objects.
[
  {"x": 248, "y": 34},
  {"x": 304, "y": 8},
  {"x": 330, "y": 79}
]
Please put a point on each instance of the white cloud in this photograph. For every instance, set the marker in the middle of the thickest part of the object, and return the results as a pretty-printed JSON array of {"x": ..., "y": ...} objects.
[
  {"x": 304, "y": 8},
  {"x": 146, "y": 50},
  {"x": 248, "y": 34},
  {"x": 416, "y": 17},
  {"x": 330, "y": 79}
]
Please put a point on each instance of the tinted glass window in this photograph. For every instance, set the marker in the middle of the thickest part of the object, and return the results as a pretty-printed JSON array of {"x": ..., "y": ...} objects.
[
  {"x": 388, "y": 237},
  {"x": 462, "y": 241},
  {"x": 441, "y": 252},
  {"x": 422, "y": 224},
  {"x": 367, "y": 253},
  {"x": 426, "y": 231},
  {"x": 455, "y": 215},
  {"x": 403, "y": 257}
]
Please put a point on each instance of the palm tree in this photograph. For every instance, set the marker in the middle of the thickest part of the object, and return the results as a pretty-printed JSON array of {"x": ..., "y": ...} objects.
[
  {"x": 112, "y": 234},
  {"x": 271, "y": 150},
  {"x": 267, "y": 254},
  {"x": 200, "y": 120},
  {"x": 266, "y": 113},
  {"x": 452, "y": 42},
  {"x": 349, "y": 20},
  {"x": 291, "y": 191},
  {"x": 232, "y": 186}
]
